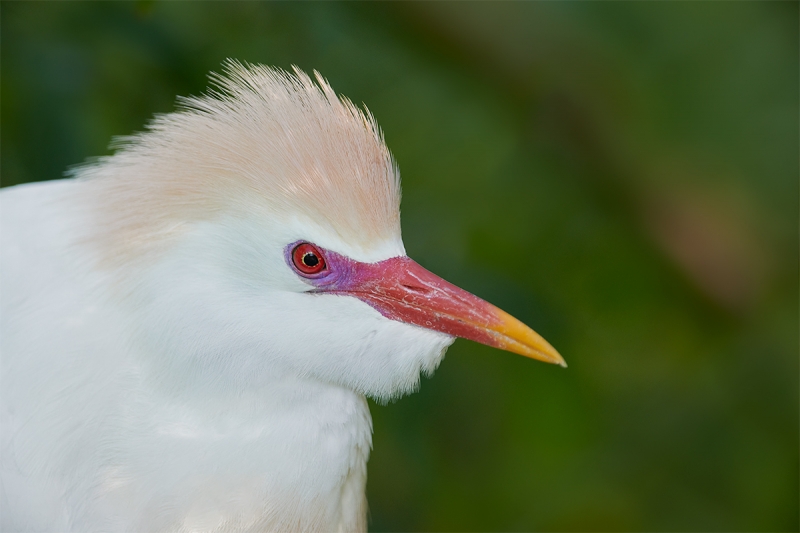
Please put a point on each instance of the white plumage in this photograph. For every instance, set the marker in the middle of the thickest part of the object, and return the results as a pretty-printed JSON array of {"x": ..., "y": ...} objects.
[{"x": 167, "y": 367}]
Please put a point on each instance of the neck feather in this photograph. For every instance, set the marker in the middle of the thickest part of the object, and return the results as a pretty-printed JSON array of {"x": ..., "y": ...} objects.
[{"x": 290, "y": 457}]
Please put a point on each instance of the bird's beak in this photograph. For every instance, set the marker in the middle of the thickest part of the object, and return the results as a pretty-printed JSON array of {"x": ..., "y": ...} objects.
[{"x": 400, "y": 289}]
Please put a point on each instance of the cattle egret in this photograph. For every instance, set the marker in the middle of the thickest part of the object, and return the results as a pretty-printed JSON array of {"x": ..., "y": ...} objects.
[{"x": 190, "y": 326}]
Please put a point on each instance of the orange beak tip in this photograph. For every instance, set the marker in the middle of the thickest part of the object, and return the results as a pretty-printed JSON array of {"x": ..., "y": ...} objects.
[
  {"x": 549, "y": 356},
  {"x": 516, "y": 337}
]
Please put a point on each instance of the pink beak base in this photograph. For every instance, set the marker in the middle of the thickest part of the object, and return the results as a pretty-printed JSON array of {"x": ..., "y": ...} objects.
[{"x": 400, "y": 289}]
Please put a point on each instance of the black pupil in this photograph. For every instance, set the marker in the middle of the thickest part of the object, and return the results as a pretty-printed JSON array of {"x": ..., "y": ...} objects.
[{"x": 310, "y": 260}]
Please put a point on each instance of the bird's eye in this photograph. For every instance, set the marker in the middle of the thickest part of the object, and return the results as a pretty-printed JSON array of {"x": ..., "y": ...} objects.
[{"x": 307, "y": 259}]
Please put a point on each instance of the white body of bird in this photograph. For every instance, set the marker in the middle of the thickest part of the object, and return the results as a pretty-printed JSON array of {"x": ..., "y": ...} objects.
[{"x": 188, "y": 328}]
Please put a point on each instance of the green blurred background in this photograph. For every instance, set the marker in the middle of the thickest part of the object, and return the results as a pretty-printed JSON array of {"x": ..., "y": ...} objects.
[{"x": 621, "y": 176}]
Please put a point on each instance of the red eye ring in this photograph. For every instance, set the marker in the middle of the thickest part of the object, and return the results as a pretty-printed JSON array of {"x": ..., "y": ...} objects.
[{"x": 307, "y": 259}]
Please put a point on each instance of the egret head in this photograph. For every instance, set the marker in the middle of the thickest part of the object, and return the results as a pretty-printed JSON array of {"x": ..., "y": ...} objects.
[{"x": 257, "y": 234}]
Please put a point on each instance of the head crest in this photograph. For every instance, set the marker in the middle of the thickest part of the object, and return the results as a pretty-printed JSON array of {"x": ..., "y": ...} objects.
[{"x": 263, "y": 140}]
